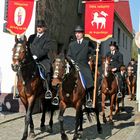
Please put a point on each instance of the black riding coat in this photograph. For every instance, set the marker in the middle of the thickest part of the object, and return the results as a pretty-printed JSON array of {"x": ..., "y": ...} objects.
[
  {"x": 80, "y": 53},
  {"x": 41, "y": 47},
  {"x": 116, "y": 59}
]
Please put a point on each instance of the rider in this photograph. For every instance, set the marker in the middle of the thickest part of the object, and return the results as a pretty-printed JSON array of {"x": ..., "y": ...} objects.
[
  {"x": 116, "y": 58},
  {"x": 133, "y": 64},
  {"x": 40, "y": 46},
  {"x": 78, "y": 52}
]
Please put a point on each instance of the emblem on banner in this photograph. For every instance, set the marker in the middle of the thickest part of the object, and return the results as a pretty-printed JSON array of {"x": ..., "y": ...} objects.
[
  {"x": 99, "y": 20},
  {"x": 19, "y": 16}
]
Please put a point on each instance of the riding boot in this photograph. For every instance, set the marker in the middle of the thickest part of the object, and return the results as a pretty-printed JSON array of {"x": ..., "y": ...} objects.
[
  {"x": 89, "y": 93},
  {"x": 55, "y": 100},
  {"x": 47, "y": 86}
]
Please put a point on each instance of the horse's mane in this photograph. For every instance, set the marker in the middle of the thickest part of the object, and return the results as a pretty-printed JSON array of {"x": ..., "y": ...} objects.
[{"x": 70, "y": 78}]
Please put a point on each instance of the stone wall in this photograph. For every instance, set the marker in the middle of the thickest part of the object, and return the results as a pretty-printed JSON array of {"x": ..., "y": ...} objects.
[{"x": 61, "y": 17}]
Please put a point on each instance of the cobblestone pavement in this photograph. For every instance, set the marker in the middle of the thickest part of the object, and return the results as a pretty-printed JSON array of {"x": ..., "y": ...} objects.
[{"x": 12, "y": 126}]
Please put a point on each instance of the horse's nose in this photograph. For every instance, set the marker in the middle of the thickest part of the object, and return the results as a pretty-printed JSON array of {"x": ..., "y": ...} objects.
[{"x": 14, "y": 67}]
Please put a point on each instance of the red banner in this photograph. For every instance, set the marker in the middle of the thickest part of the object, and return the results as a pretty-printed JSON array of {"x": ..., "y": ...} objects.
[
  {"x": 19, "y": 15},
  {"x": 99, "y": 18}
]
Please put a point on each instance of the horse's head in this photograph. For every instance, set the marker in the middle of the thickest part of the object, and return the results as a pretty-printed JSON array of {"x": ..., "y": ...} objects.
[
  {"x": 59, "y": 70},
  {"x": 130, "y": 70},
  {"x": 106, "y": 66},
  {"x": 19, "y": 53}
]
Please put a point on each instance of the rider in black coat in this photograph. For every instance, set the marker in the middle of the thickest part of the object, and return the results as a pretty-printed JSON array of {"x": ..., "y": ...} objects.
[
  {"x": 40, "y": 46},
  {"x": 116, "y": 57},
  {"x": 79, "y": 52}
]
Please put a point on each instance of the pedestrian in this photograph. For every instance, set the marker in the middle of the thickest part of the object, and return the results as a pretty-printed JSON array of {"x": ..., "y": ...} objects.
[
  {"x": 40, "y": 46},
  {"x": 78, "y": 52}
]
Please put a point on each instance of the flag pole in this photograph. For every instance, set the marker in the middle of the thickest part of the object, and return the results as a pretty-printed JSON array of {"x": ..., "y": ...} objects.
[{"x": 95, "y": 75}]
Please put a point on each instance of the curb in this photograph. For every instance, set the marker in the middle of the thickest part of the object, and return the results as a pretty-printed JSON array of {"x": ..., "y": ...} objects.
[{"x": 9, "y": 118}]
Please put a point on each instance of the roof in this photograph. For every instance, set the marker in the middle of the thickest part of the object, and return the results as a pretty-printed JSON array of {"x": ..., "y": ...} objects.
[{"x": 122, "y": 8}]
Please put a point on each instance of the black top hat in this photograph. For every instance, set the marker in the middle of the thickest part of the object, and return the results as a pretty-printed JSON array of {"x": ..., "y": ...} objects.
[
  {"x": 113, "y": 43},
  {"x": 79, "y": 28},
  {"x": 40, "y": 23}
]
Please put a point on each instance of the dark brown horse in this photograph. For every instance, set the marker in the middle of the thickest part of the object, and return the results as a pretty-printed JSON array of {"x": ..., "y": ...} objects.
[
  {"x": 71, "y": 93},
  {"x": 131, "y": 83},
  {"x": 29, "y": 84},
  {"x": 109, "y": 87}
]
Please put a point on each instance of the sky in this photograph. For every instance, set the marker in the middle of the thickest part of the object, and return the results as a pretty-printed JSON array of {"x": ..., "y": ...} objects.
[{"x": 135, "y": 14}]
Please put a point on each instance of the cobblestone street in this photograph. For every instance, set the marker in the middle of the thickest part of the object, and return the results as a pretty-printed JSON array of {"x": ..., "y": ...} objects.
[{"x": 12, "y": 126}]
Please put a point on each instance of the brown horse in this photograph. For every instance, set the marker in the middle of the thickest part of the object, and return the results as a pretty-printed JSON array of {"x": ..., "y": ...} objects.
[
  {"x": 109, "y": 87},
  {"x": 30, "y": 85},
  {"x": 71, "y": 93},
  {"x": 131, "y": 83}
]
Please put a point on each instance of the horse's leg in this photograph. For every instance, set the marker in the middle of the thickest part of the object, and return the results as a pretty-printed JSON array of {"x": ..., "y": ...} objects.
[
  {"x": 116, "y": 104},
  {"x": 133, "y": 92},
  {"x": 103, "y": 107},
  {"x": 78, "y": 122},
  {"x": 62, "y": 107},
  {"x": 99, "y": 128},
  {"x": 111, "y": 107},
  {"x": 31, "y": 103},
  {"x": 50, "y": 129},
  {"x": 129, "y": 91},
  {"x": 81, "y": 120},
  {"x": 42, "y": 125},
  {"x": 25, "y": 133}
]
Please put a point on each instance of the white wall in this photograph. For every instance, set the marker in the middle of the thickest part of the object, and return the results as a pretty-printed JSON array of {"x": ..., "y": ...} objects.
[{"x": 6, "y": 45}]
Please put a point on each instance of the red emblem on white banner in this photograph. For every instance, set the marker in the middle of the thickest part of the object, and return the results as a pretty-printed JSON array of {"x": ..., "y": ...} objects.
[
  {"x": 19, "y": 15},
  {"x": 99, "y": 18}
]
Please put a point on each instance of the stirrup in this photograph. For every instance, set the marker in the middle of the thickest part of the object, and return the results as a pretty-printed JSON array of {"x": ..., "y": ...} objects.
[
  {"x": 48, "y": 94},
  {"x": 89, "y": 103},
  {"x": 55, "y": 101},
  {"x": 119, "y": 94}
]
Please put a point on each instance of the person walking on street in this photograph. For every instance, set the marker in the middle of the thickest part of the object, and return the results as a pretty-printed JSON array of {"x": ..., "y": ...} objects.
[{"x": 79, "y": 52}]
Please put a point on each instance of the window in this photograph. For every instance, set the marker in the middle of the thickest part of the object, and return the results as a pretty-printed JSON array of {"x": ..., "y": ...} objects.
[
  {"x": 123, "y": 40},
  {"x": 126, "y": 43},
  {"x": 119, "y": 35}
]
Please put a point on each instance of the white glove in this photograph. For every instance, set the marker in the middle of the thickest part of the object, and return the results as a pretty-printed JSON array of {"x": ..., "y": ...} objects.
[{"x": 34, "y": 57}]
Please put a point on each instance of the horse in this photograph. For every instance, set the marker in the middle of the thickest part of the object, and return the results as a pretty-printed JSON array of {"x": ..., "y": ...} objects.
[
  {"x": 29, "y": 85},
  {"x": 131, "y": 83},
  {"x": 109, "y": 87},
  {"x": 71, "y": 92}
]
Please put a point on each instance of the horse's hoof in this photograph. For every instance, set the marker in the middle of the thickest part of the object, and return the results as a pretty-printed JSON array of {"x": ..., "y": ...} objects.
[
  {"x": 111, "y": 122},
  {"x": 104, "y": 120},
  {"x": 80, "y": 134},
  {"x": 100, "y": 130},
  {"x": 64, "y": 136},
  {"x": 49, "y": 129},
  {"x": 31, "y": 134},
  {"x": 43, "y": 128}
]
